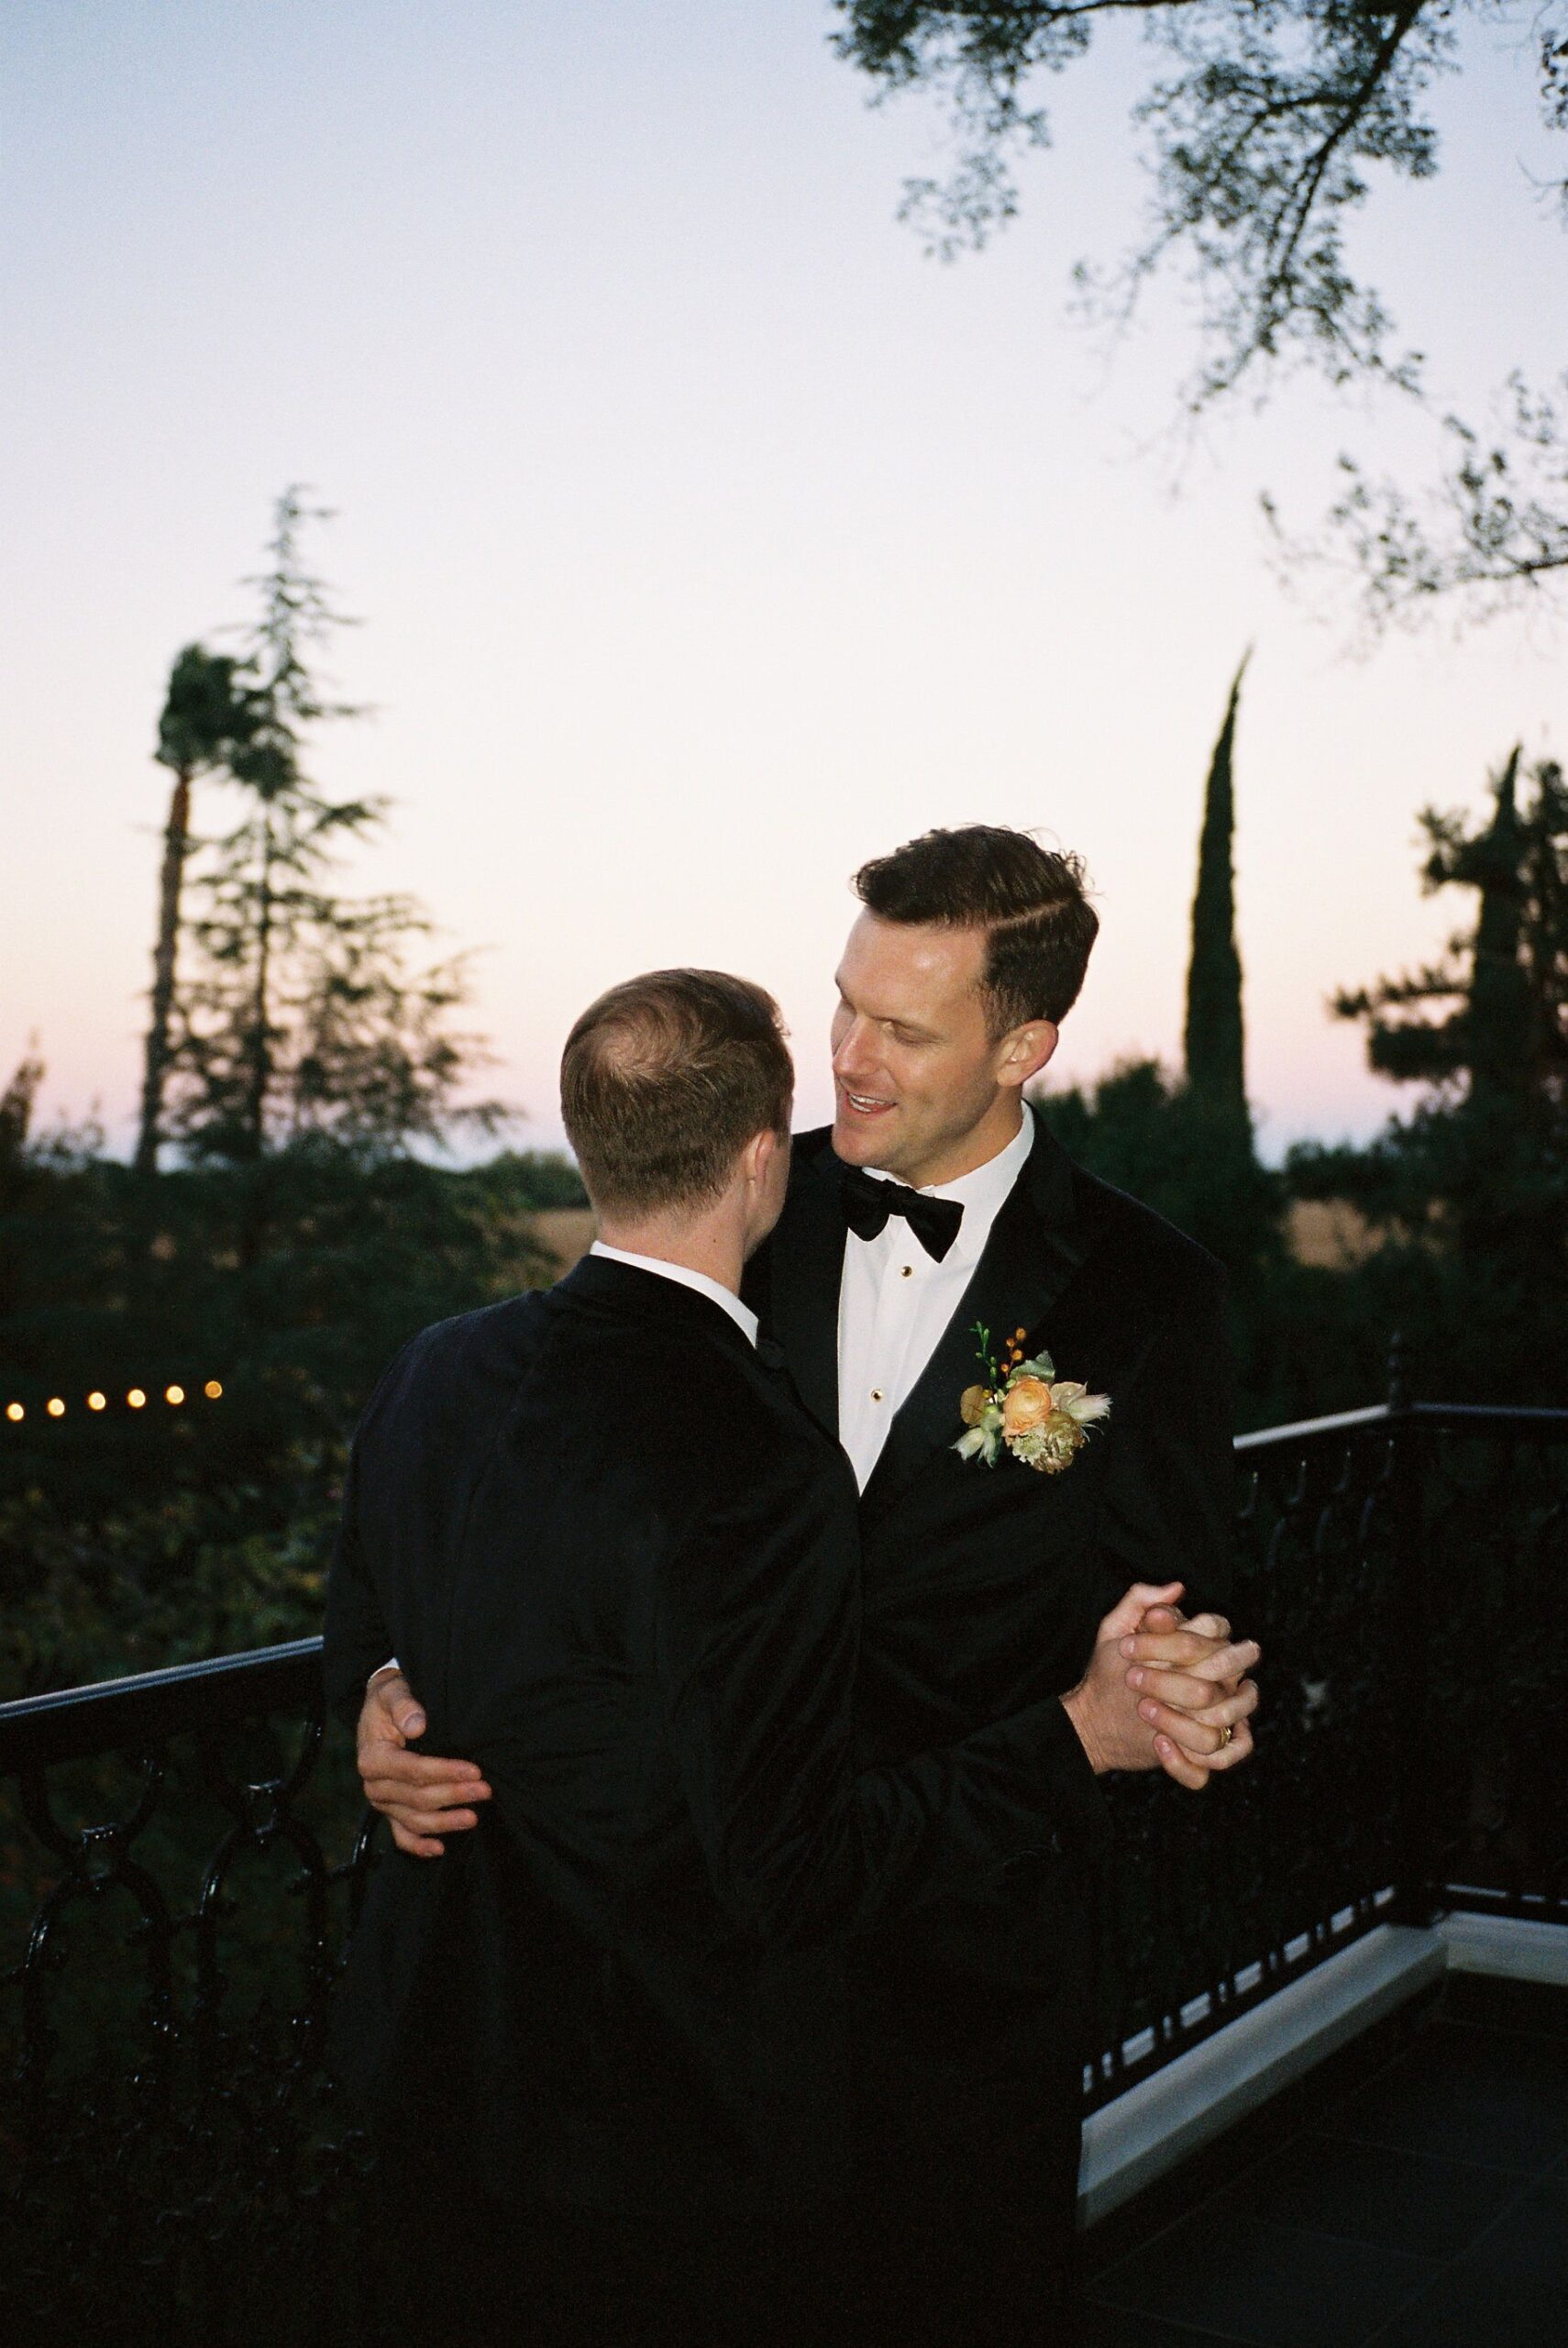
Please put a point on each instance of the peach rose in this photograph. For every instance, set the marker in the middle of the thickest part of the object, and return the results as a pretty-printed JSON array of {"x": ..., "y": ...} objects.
[
  {"x": 973, "y": 1406},
  {"x": 1028, "y": 1404}
]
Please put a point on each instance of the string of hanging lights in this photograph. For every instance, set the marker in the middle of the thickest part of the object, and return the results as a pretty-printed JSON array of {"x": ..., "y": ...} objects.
[{"x": 136, "y": 1399}]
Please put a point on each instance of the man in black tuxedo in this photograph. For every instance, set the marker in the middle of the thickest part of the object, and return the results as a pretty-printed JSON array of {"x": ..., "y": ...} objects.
[
  {"x": 621, "y": 1563},
  {"x": 935, "y": 1207}
]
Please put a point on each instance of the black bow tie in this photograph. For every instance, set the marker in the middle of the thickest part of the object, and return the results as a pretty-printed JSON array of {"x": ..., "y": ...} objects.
[{"x": 867, "y": 1203}]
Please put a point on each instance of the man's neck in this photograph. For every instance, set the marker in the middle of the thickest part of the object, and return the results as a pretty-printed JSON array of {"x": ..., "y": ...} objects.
[
  {"x": 713, "y": 1249},
  {"x": 1000, "y": 1125}
]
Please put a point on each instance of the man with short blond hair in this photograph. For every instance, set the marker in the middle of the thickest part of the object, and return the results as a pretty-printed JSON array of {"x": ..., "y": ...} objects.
[{"x": 664, "y": 1079}]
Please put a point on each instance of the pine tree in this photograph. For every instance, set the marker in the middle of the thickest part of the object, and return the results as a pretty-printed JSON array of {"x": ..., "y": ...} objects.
[
  {"x": 302, "y": 1011},
  {"x": 1213, "y": 1040},
  {"x": 1502, "y": 987},
  {"x": 1471, "y": 1190},
  {"x": 260, "y": 898}
]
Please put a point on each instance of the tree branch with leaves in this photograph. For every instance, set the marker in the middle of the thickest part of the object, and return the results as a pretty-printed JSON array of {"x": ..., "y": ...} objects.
[
  {"x": 1263, "y": 126},
  {"x": 1492, "y": 527}
]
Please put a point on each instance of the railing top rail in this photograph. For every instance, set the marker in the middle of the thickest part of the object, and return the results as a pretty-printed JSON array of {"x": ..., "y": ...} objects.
[
  {"x": 1534, "y": 1424},
  {"x": 1493, "y": 1418},
  {"x": 72, "y": 1723},
  {"x": 1315, "y": 1430}
]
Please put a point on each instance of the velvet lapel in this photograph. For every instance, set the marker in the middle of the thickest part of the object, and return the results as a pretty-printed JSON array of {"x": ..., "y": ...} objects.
[
  {"x": 1035, "y": 1247},
  {"x": 807, "y": 1250}
]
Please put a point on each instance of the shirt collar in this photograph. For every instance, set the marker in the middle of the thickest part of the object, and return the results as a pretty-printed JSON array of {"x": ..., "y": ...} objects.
[
  {"x": 684, "y": 1275},
  {"x": 981, "y": 1192}
]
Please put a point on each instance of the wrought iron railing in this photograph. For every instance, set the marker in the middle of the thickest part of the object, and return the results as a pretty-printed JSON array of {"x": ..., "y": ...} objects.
[
  {"x": 1406, "y": 1570},
  {"x": 182, "y": 1854}
]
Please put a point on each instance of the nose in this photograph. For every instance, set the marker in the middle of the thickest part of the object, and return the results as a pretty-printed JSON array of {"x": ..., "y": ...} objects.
[{"x": 851, "y": 1059}]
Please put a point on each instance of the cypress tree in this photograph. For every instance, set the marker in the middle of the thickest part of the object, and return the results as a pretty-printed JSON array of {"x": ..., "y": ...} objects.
[
  {"x": 1500, "y": 1020},
  {"x": 1216, "y": 1073}
]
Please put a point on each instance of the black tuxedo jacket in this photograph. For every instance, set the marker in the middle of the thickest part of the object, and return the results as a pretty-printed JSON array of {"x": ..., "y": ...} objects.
[
  {"x": 983, "y": 1588},
  {"x": 621, "y": 1565}
]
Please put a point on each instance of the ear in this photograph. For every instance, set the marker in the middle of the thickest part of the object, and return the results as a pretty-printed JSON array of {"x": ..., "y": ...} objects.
[
  {"x": 756, "y": 1159},
  {"x": 1025, "y": 1052}
]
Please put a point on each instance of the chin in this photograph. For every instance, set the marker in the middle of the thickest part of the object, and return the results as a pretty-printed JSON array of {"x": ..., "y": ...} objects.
[{"x": 859, "y": 1144}]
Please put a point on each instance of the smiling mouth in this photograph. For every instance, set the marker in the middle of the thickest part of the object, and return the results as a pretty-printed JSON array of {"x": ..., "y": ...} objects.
[{"x": 863, "y": 1104}]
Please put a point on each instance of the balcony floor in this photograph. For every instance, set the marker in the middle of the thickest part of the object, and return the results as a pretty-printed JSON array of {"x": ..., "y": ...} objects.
[{"x": 1414, "y": 2194}]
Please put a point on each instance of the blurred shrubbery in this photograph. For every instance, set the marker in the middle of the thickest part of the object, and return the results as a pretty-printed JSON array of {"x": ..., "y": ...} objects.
[{"x": 132, "y": 1539}]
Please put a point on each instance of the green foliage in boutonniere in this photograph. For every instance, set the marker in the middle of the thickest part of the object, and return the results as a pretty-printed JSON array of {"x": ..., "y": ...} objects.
[{"x": 1041, "y": 1419}]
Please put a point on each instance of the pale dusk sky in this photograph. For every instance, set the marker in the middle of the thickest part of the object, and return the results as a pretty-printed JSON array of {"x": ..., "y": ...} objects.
[{"x": 707, "y": 537}]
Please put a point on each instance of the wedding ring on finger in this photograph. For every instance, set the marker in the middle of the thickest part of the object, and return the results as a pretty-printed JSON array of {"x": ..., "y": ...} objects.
[{"x": 1226, "y": 1733}]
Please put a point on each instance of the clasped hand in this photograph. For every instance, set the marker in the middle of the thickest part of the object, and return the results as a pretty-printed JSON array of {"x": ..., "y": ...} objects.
[{"x": 1159, "y": 1692}]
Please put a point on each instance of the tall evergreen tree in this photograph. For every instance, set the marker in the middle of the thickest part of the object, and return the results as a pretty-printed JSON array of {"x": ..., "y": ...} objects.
[
  {"x": 1184, "y": 1143},
  {"x": 301, "y": 1011},
  {"x": 1213, "y": 1039},
  {"x": 206, "y": 715},
  {"x": 1471, "y": 1190},
  {"x": 1500, "y": 989},
  {"x": 260, "y": 900},
  {"x": 17, "y": 1105}
]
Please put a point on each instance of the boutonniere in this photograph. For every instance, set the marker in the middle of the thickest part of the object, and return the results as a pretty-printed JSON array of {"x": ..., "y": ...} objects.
[{"x": 1041, "y": 1419}]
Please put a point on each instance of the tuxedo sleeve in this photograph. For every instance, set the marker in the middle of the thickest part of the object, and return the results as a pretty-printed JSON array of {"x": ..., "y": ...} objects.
[
  {"x": 759, "y": 1644},
  {"x": 1168, "y": 1511},
  {"x": 357, "y": 1641}
]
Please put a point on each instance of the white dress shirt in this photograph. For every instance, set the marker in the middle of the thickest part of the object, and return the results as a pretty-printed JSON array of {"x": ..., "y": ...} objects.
[
  {"x": 895, "y": 1301},
  {"x": 740, "y": 1314}
]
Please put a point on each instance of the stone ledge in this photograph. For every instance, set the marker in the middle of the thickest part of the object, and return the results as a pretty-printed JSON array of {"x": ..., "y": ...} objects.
[
  {"x": 1513, "y": 1948},
  {"x": 1191, "y": 2101}
]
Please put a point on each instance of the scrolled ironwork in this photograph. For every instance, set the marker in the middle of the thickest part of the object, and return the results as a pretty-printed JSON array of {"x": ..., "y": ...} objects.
[
  {"x": 182, "y": 2170},
  {"x": 1406, "y": 1570},
  {"x": 169, "y": 2166}
]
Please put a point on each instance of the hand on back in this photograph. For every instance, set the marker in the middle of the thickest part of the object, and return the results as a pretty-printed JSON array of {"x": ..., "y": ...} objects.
[{"x": 421, "y": 1797}]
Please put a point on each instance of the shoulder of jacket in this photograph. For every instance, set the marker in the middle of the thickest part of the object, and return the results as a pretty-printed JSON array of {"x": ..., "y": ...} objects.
[
  {"x": 515, "y": 1320},
  {"x": 490, "y": 1336}
]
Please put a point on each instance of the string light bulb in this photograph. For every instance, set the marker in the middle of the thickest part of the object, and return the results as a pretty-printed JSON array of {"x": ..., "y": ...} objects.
[{"x": 57, "y": 1406}]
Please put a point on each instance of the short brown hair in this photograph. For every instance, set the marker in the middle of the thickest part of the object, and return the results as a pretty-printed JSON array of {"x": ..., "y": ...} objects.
[
  {"x": 665, "y": 1079},
  {"x": 1031, "y": 902}
]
